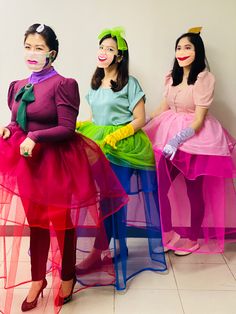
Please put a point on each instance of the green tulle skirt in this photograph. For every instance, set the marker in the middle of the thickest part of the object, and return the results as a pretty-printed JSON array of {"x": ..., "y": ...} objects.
[{"x": 134, "y": 151}]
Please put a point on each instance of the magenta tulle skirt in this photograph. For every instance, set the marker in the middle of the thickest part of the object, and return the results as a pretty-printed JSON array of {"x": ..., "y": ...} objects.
[
  {"x": 196, "y": 190},
  {"x": 197, "y": 199},
  {"x": 212, "y": 139},
  {"x": 59, "y": 192}
]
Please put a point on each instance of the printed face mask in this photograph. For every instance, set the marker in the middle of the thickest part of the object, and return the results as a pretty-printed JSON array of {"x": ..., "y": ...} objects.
[{"x": 36, "y": 61}]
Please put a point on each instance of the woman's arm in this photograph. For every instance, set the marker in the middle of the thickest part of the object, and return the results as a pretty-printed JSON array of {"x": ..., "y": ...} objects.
[
  {"x": 139, "y": 115},
  {"x": 63, "y": 131},
  {"x": 199, "y": 118},
  {"x": 186, "y": 133},
  {"x": 161, "y": 108},
  {"x": 130, "y": 128}
]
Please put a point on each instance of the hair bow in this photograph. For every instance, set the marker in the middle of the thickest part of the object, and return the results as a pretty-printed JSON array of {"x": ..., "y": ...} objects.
[{"x": 117, "y": 32}]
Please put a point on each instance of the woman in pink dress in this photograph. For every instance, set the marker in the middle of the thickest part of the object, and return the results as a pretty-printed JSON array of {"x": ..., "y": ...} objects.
[{"x": 194, "y": 157}]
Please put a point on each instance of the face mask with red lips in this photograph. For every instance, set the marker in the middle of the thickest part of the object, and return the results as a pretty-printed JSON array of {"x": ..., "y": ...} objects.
[{"x": 36, "y": 61}]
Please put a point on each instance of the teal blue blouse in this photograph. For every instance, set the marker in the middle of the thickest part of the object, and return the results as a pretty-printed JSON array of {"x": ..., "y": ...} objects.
[{"x": 115, "y": 108}]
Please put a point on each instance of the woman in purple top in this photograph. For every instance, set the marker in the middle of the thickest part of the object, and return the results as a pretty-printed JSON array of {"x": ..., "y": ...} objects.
[{"x": 52, "y": 180}]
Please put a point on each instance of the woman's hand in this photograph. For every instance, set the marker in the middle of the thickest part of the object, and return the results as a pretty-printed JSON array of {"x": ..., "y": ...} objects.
[
  {"x": 4, "y": 133},
  {"x": 114, "y": 137},
  {"x": 171, "y": 147},
  {"x": 26, "y": 147}
]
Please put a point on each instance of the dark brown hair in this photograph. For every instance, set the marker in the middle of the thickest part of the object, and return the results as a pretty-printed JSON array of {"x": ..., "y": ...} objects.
[
  {"x": 48, "y": 35},
  {"x": 122, "y": 69}
]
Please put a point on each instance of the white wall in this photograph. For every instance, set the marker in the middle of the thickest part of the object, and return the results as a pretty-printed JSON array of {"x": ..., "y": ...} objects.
[{"x": 152, "y": 27}]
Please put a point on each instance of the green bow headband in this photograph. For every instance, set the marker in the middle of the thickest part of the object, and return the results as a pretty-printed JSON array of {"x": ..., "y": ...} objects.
[{"x": 117, "y": 32}]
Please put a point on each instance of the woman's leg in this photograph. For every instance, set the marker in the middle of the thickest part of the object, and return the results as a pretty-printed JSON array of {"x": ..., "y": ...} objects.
[
  {"x": 194, "y": 191},
  {"x": 115, "y": 226},
  {"x": 39, "y": 247},
  {"x": 66, "y": 241},
  {"x": 112, "y": 226},
  {"x": 67, "y": 244},
  {"x": 166, "y": 174},
  {"x": 195, "y": 194}
]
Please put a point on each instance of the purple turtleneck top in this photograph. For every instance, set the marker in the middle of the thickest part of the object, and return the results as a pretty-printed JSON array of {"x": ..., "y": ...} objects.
[
  {"x": 41, "y": 76},
  {"x": 52, "y": 116}
]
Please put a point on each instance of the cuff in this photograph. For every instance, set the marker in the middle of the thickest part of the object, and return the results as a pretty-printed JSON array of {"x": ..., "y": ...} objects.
[{"x": 32, "y": 136}]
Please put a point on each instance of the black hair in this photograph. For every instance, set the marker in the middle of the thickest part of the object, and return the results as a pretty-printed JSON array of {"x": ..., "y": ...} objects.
[
  {"x": 198, "y": 65},
  {"x": 122, "y": 69},
  {"x": 48, "y": 35}
]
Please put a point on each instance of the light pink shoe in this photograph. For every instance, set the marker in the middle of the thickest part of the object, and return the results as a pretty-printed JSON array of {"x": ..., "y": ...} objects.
[
  {"x": 172, "y": 242},
  {"x": 194, "y": 248}
]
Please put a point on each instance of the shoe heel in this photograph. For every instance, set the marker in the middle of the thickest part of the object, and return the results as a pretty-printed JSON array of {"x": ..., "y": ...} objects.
[
  {"x": 59, "y": 301},
  {"x": 27, "y": 306}
]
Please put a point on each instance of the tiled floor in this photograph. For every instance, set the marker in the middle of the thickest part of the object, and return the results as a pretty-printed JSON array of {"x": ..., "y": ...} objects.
[{"x": 194, "y": 284}]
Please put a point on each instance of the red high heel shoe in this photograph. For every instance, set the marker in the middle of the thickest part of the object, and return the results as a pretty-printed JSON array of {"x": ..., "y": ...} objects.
[
  {"x": 27, "y": 306},
  {"x": 59, "y": 301}
]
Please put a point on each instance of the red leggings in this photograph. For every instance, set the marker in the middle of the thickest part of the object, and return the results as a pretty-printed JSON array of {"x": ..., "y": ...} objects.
[
  {"x": 39, "y": 248},
  {"x": 40, "y": 239}
]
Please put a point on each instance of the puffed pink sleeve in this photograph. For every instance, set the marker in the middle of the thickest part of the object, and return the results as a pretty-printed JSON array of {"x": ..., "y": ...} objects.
[
  {"x": 203, "y": 89},
  {"x": 167, "y": 83}
]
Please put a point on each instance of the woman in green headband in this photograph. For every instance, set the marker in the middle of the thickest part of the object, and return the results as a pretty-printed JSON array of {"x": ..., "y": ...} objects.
[{"x": 118, "y": 113}]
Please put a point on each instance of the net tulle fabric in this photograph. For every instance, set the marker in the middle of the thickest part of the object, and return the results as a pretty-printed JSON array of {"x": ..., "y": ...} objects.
[
  {"x": 66, "y": 186},
  {"x": 134, "y": 151},
  {"x": 135, "y": 231},
  {"x": 218, "y": 193}
]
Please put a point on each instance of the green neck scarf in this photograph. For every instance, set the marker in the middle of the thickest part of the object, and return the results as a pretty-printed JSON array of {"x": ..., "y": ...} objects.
[{"x": 26, "y": 94}]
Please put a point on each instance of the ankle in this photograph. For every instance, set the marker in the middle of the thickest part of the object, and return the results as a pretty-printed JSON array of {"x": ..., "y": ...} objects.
[
  {"x": 36, "y": 286},
  {"x": 189, "y": 243},
  {"x": 93, "y": 257},
  {"x": 66, "y": 287},
  {"x": 167, "y": 236},
  {"x": 37, "y": 283}
]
